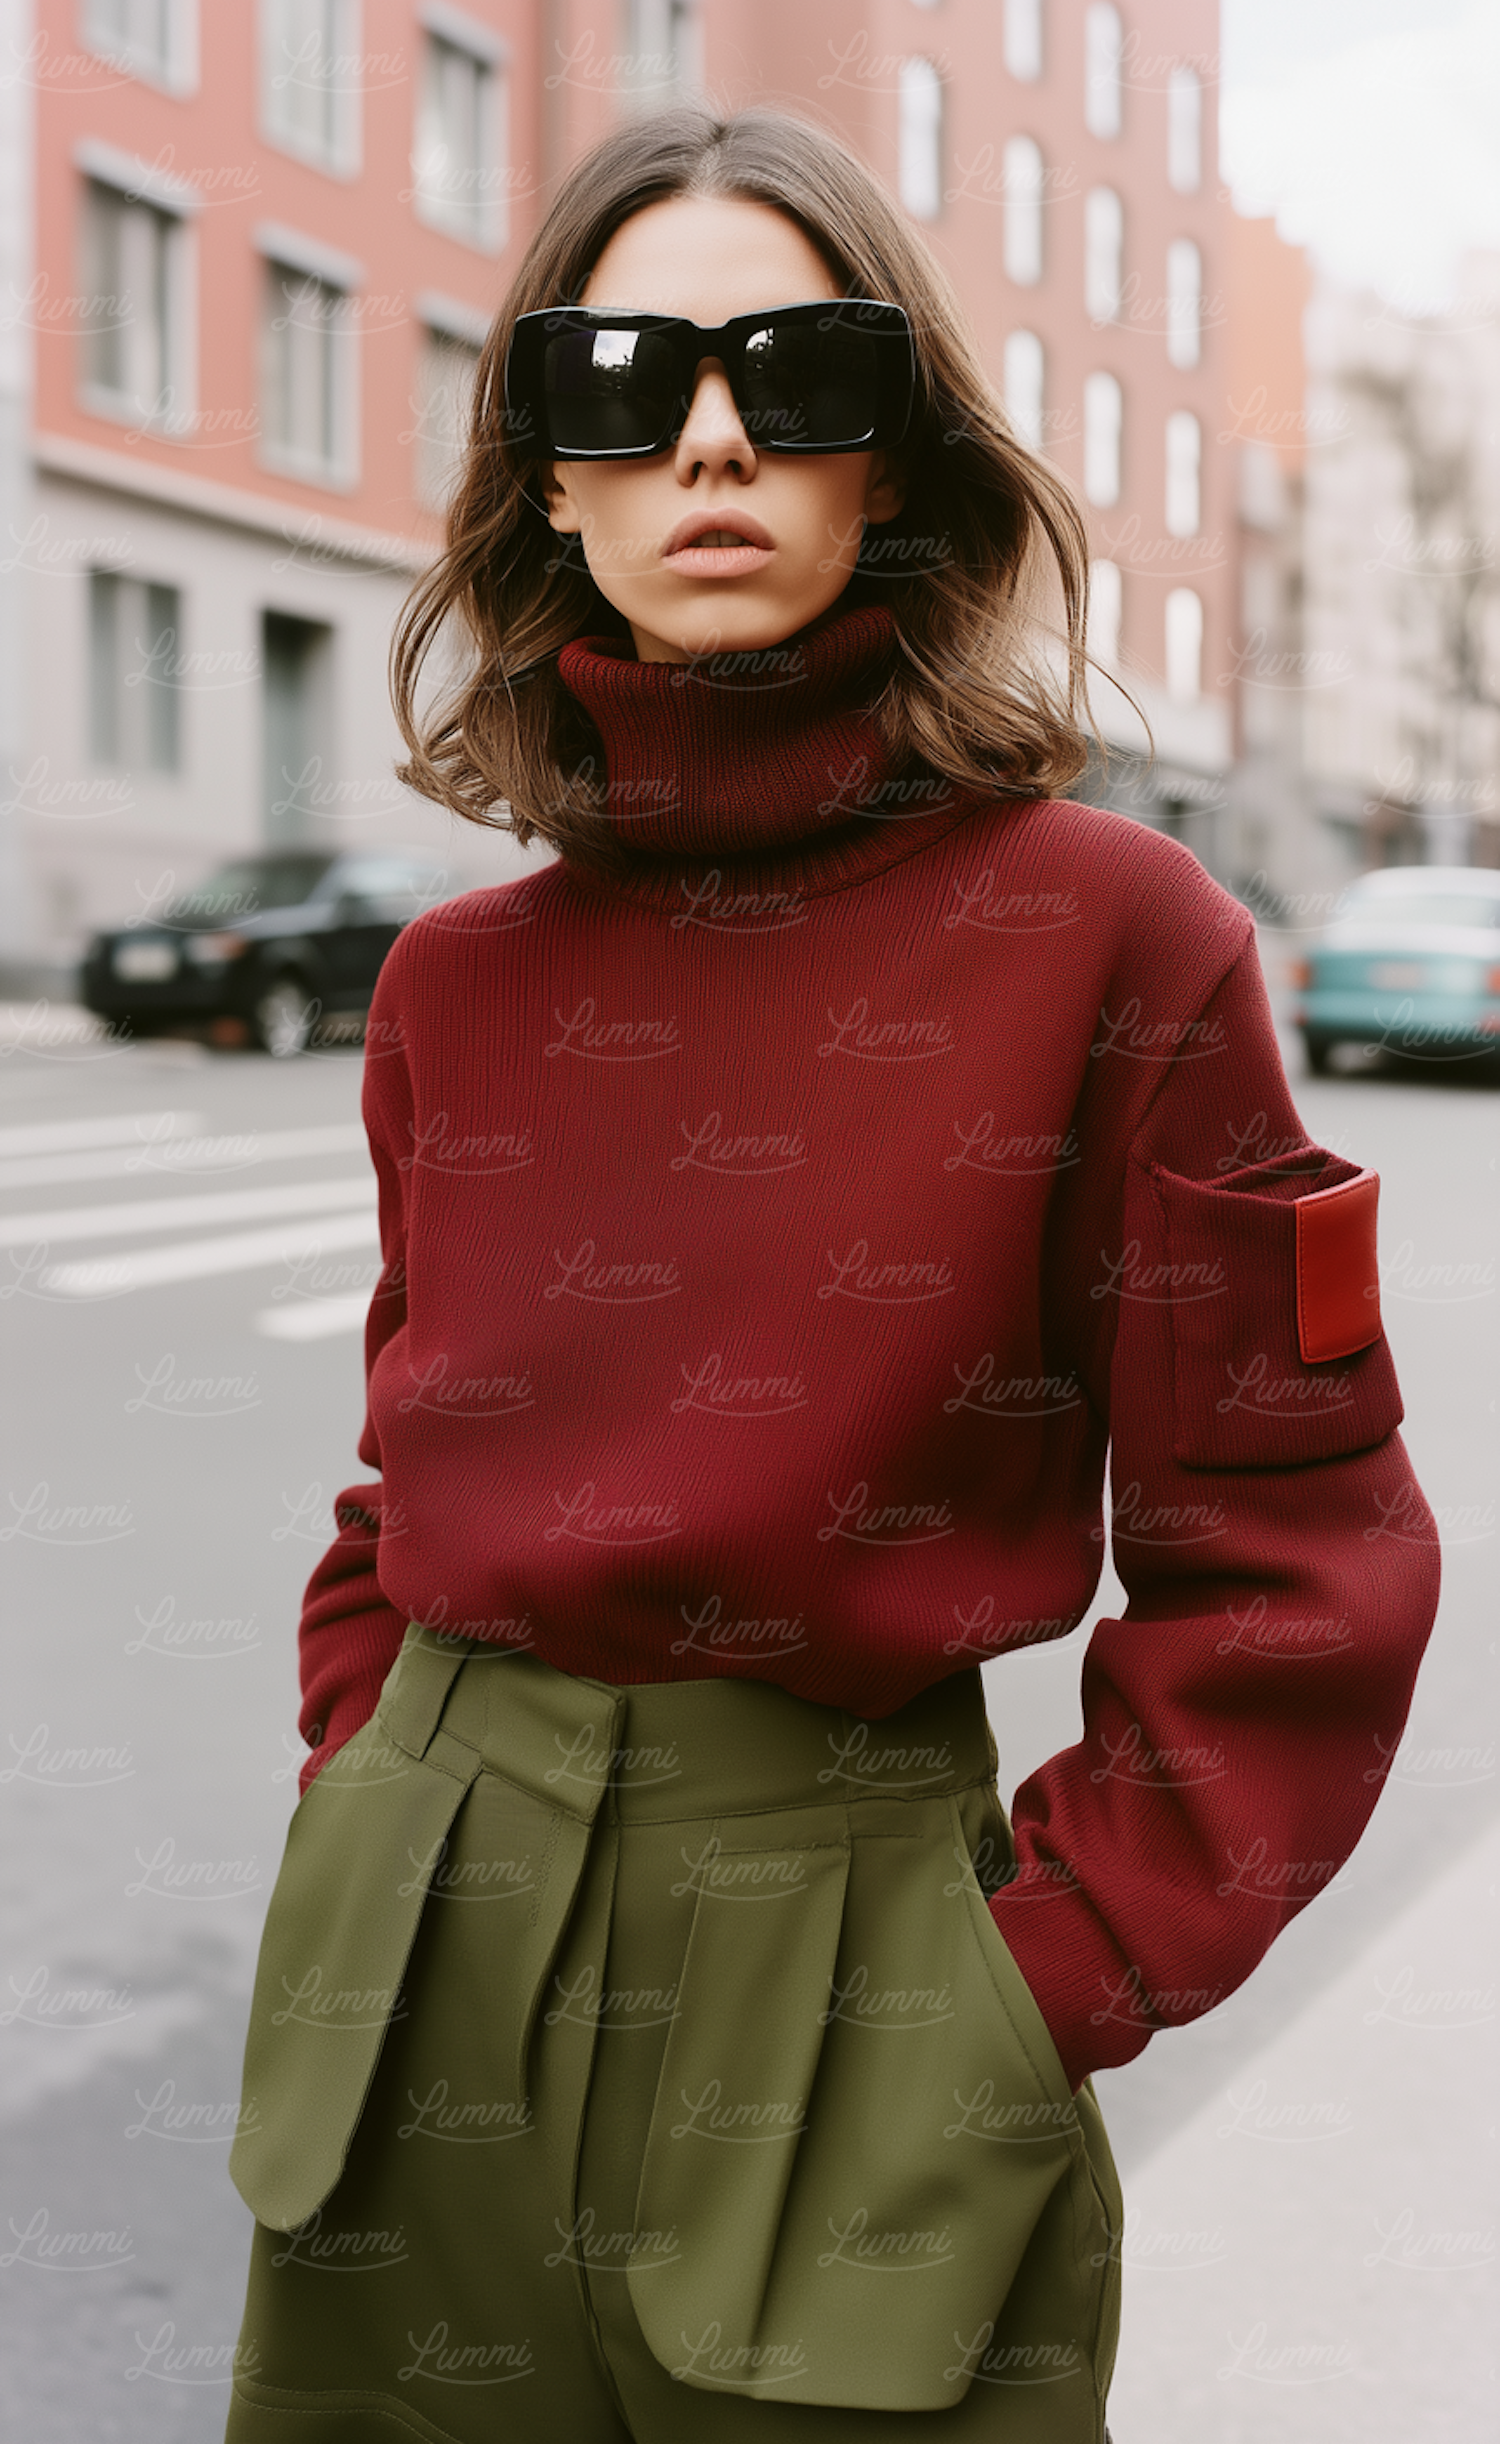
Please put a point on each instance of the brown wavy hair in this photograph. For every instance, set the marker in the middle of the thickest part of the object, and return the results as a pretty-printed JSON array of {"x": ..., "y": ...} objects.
[{"x": 989, "y": 555}]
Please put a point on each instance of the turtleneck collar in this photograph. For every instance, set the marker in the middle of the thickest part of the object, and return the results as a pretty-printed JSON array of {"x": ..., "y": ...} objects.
[{"x": 772, "y": 759}]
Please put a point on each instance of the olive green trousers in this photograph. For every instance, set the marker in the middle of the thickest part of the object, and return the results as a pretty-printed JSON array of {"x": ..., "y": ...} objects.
[{"x": 644, "y": 2062}]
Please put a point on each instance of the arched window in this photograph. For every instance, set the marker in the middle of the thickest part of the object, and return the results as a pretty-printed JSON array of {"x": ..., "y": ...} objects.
[
  {"x": 1106, "y": 608},
  {"x": 1184, "y": 303},
  {"x": 1184, "y": 642},
  {"x": 920, "y": 139},
  {"x": 1184, "y": 465},
  {"x": 1103, "y": 418},
  {"x": 1103, "y": 55},
  {"x": 1023, "y": 39},
  {"x": 1103, "y": 254},
  {"x": 1184, "y": 131},
  {"x": 1025, "y": 378},
  {"x": 1023, "y": 210}
]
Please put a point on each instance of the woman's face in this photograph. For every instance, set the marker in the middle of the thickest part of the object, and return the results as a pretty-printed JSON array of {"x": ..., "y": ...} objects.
[{"x": 710, "y": 257}]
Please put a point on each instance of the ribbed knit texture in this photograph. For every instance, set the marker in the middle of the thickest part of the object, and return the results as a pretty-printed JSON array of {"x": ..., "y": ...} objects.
[{"x": 766, "y": 1270}]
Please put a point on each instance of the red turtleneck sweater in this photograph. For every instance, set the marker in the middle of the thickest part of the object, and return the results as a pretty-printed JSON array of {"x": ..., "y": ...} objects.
[{"x": 774, "y": 1242}]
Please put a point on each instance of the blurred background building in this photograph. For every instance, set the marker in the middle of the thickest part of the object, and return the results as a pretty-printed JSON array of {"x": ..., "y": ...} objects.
[
  {"x": 250, "y": 251},
  {"x": 1403, "y": 573}
]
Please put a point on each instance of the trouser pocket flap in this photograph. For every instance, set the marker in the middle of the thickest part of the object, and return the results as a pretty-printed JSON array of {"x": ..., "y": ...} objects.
[{"x": 338, "y": 1934}]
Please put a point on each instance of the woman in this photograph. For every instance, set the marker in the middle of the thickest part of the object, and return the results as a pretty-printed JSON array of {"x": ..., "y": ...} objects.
[{"x": 786, "y": 1195}]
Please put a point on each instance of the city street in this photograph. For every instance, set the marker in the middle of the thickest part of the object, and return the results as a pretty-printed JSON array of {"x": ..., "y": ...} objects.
[{"x": 187, "y": 1241}]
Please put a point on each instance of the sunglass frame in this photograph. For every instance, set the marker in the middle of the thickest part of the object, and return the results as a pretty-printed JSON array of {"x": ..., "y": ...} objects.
[{"x": 895, "y": 370}]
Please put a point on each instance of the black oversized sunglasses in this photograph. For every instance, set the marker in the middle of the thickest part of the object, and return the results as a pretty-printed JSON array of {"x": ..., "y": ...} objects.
[{"x": 590, "y": 382}]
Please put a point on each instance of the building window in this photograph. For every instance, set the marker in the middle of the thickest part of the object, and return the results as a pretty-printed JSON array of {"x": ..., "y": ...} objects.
[
  {"x": 1184, "y": 303},
  {"x": 134, "y": 672},
  {"x": 920, "y": 139},
  {"x": 1185, "y": 131},
  {"x": 307, "y": 390},
  {"x": 155, "y": 39},
  {"x": 445, "y": 388},
  {"x": 296, "y": 728},
  {"x": 663, "y": 52},
  {"x": 310, "y": 83},
  {"x": 1184, "y": 637},
  {"x": 1025, "y": 386},
  {"x": 1106, "y": 608},
  {"x": 1104, "y": 51},
  {"x": 137, "y": 356},
  {"x": 1103, "y": 254},
  {"x": 1023, "y": 210},
  {"x": 1023, "y": 39},
  {"x": 1103, "y": 421},
  {"x": 458, "y": 163},
  {"x": 1184, "y": 464}
]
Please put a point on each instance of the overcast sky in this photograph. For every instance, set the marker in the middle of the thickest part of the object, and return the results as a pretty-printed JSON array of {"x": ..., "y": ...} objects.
[{"x": 1371, "y": 128}]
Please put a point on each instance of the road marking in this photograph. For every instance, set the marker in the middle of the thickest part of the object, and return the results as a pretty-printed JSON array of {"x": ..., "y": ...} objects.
[
  {"x": 181, "y": 1213},
  {"x": 169, "y": 1155},
  {"x": 119, "y": 1128},
  {"x": 191, "y": 1259},
  {"x": 314, "y": 1319}
]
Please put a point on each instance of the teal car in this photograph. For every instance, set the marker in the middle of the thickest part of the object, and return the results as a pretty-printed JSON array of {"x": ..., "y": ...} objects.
[{"x": 1411, "y": 963}]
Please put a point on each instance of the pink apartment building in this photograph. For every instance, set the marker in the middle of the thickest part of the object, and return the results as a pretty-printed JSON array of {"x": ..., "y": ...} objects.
[{"x": 253, "y": 248}]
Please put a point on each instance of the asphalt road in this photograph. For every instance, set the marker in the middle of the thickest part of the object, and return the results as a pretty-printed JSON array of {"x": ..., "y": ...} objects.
[{"x": 176, "y": 1427}]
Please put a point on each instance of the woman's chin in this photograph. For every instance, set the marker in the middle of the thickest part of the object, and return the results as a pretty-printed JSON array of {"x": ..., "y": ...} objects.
[{"x": 723, "y": 626}]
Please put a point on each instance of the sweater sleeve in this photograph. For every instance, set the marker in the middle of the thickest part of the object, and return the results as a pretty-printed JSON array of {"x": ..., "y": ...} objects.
[
  {"x": 1280, "y": 1561},
  {"x": 350, "y": 1632}
]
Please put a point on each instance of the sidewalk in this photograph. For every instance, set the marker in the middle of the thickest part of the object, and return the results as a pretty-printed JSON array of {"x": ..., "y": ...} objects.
[{"x": 1312, "y": 2258}]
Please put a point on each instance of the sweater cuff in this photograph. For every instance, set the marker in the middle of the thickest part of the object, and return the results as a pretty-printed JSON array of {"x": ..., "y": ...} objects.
[
  {"x": 1091, "y": 1998},
  {"x": 351, "y": 1710}
]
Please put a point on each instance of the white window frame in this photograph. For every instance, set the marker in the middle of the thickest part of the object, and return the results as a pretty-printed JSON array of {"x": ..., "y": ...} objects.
[
  {"x": 141, "y": 187},
  {"x": 483, "y": 224},
  {"x": 1184, "y": 491},
  {"x": 287, "y": 253},
  {"x": 1023, "y": 40},
  {"x": 919, "y": 138},
  {"x": 1184, "y": 304},
  {"x": 663, "y": 52},
  {"x": 172, "y": 67},
  {"x": 1185, "y": 131},
  {"x": 1106, "y": 613},
  {"x": 439, "y": 329},
  {"x": 1026, "y": 387},
  {"x": 1182, "y": 634},
  {"x": 1103, "y": 60},
  {"x": 337, "y": 152},
  {"x": 1025, "y": 185},
  {"x": 138, "y": 736},
  {"x": 1103, "y": 255},
  {"x": 1103, "y": 439}
]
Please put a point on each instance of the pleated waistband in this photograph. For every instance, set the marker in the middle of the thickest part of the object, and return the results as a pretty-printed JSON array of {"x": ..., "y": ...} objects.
[{"x": 673, "y": 1749}]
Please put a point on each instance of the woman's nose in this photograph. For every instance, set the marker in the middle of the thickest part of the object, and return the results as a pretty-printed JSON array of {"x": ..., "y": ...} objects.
[{"x": 713, "y": 434}]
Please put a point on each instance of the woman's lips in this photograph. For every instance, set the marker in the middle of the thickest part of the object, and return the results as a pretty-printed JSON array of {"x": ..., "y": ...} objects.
[{"x": 717, "y": 559}]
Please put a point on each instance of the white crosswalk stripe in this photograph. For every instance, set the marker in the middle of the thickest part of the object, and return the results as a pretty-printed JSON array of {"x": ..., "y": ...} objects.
[
  {"x": 315, "y": 1319},
  {"x": 292, "y": 1223},
  {"x": 192, "y": 1259},
  {"x": 181, "y": 1213},
  {"x": 171, "y": 1153},
  {"x": 109, "y": 1129}
]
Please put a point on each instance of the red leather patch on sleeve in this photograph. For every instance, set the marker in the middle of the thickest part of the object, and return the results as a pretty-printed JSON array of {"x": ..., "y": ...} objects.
[{"x": 1338, "y": 1279}]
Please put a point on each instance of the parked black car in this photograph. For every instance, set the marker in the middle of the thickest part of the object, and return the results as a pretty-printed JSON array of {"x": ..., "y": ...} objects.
[{"x": 265, "y": 947}]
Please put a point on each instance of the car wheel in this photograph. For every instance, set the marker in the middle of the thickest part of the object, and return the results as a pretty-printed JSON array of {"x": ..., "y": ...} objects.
[
  {"x": 1317, "y": 1049},
  {"x": 285, "y": 1015}
]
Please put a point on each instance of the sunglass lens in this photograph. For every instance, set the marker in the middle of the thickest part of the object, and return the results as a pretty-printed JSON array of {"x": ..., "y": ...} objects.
[
  {"x": 609, "y": 390},
  {"x": 806, "y": 388}
]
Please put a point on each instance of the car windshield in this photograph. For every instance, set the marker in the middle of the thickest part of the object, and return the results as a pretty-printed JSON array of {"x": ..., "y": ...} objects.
[
  {"x": 247, "y": 885},
  {"x": 1424, "y": 908}
]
